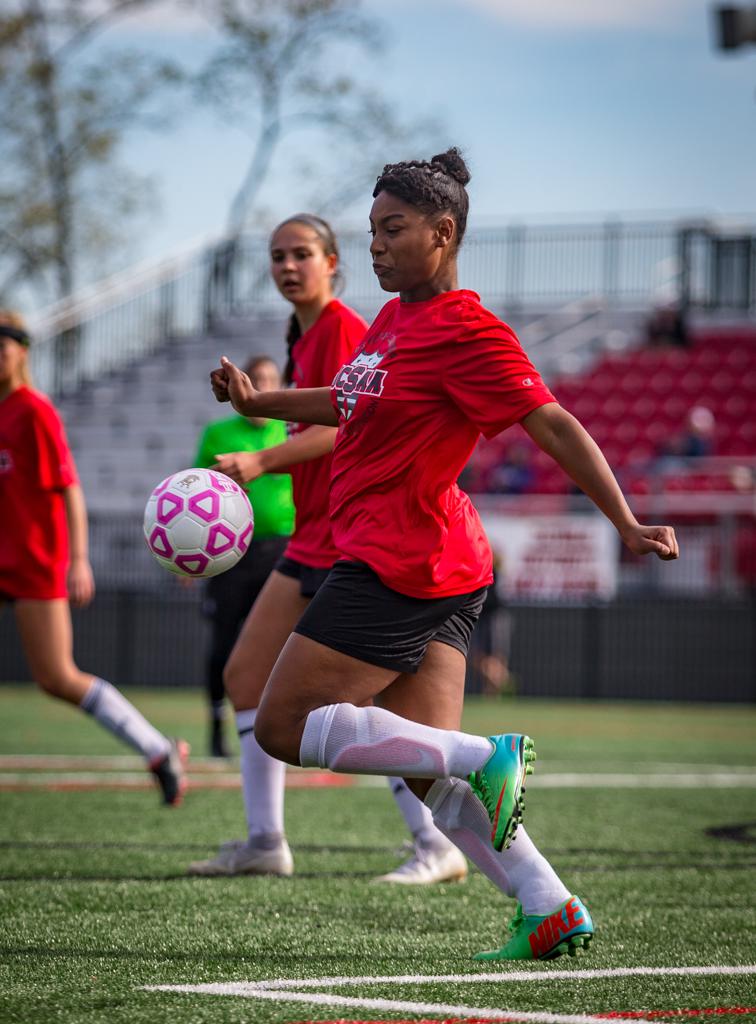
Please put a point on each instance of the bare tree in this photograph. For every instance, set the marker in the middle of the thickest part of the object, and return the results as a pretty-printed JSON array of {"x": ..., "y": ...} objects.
[
  {"x": 282, "y": 69},
  {"x": 64, "y": 112}
]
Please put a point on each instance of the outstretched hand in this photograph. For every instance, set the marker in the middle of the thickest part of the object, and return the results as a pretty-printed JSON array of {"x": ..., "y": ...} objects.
[
  {"x": 242, "y": 467},
  {"x": 657, "y": 540},
  {"x": 230, "y": 384}
]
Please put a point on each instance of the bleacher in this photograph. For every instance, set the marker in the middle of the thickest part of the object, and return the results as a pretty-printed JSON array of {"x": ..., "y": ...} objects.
[
  {"x": 635, "y": 404},
  {"x": 132, "y": 428}
]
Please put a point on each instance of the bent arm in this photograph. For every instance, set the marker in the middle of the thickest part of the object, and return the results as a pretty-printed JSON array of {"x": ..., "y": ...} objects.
[
  {"x": 296, "y": 405},
  {"x": 561, "y": 436},
  {"x": 310, "y": 444},
  {"x": 243, "y": 467}
]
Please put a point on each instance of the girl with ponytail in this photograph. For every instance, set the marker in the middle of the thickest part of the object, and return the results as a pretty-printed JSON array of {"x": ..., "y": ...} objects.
[{"x": 44, "y": 563}]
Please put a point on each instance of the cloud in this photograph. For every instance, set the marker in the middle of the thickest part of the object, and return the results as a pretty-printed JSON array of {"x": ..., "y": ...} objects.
[
  {"x": 582, "y": 14},
  {"x": 171, "y": 16}
]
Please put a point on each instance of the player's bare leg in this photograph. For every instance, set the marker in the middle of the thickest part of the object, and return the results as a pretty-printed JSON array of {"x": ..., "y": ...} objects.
[
  {"x": 47, "y": 639},
  {"x": 274, "y": 614}
]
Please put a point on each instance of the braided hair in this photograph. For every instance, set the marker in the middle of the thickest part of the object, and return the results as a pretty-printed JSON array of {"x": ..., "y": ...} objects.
[
  {"x": 431, "y": 186},
  {"x": 327, "y": 239}
]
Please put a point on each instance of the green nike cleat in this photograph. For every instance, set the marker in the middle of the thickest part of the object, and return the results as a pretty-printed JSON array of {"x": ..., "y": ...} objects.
[
  {"x": 498, "y": 784},
  {"x": 566, "y": 930}
]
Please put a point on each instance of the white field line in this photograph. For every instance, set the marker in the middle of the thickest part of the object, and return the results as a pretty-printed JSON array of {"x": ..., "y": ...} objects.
[
  {"x": 96, "y": 763},
  {"x": 390, "y": 1005},
  {"x": 300, "y": 990},
  {"x": 626, "y": 780},
  {"x": 232, "y": 780},
  {"x": 499, "y": 977},
  {"x": 143, "y": 780},
  {"x": 550, "y": 769},
  {"x": 20, "y": 771}
]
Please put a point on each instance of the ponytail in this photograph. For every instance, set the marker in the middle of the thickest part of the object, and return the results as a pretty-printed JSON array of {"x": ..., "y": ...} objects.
[{"x": 293, "y": 334}]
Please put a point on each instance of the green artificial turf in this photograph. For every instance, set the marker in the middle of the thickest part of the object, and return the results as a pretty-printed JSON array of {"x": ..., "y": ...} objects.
[{"x": 94, "y": 902}]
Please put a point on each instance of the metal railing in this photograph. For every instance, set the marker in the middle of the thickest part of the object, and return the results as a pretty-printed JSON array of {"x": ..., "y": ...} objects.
[
  {"x": 120, "y": 320},
  {"x": 520, "y": 268}
]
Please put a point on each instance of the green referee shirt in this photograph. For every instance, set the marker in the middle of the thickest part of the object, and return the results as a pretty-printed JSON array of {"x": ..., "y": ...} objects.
[{"x": 270, "y": 494}]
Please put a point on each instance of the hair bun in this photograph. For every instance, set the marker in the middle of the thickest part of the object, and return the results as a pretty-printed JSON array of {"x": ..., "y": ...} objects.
[{"x": 452, "y": 163}]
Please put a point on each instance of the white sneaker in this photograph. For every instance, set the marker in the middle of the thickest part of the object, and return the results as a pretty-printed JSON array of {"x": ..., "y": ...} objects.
[
  {"x": 428, "y": 865},
  {"x": 239, "y": 858}
]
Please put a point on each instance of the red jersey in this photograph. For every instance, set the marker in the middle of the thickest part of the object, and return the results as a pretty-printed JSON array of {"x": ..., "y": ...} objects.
[
  {"x": 427, "y": 380},
  {"x": 317, "y": 355},
  {"x": 35, "y": 467}
]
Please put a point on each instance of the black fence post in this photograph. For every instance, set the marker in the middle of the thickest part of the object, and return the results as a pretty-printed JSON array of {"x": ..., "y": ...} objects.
[
  {"x": 125, "y": 638},
  {"x": 685, "y": 239},
  {"x": 612, "y": 240},
  {"x": 593, "y": 615}
]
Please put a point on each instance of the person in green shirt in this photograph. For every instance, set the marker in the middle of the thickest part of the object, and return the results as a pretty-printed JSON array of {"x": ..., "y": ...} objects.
[{"x": 230, "y": 595}]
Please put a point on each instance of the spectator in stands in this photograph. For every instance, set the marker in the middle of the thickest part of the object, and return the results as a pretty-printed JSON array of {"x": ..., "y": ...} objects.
[
  {"x": 667, "y": 326},
  {"x": 392, "y": 622},
  {"x": 232, "y": 443},
  {"x": 44, "y": 561},
  {"x": 515, "y": 474},
  {"x": 696, "y": 439},
  {"x": 322, "y": 335}
]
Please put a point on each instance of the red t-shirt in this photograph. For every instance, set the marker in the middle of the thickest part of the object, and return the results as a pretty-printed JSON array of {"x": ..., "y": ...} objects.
[
  {"x": 35, "y": 468},
  {"x": 318, "y": 354},
  {"x": 427, "y": 380}
]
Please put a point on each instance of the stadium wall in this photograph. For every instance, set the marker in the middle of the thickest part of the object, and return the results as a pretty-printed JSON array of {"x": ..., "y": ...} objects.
[{"x": 629, "y": 649}]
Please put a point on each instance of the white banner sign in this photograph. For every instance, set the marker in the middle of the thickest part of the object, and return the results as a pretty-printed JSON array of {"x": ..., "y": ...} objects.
[{"x": 554, "y": 557}]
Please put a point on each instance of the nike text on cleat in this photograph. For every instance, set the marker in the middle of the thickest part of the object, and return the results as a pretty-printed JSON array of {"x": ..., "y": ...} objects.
[
  {"x": 239, "y": 858},
  {"x": 499, "y": 784},
  {"x": 170, "y": 772},
  {"x": 429, "y": 865},
  {"x": 566, "y": 930}
]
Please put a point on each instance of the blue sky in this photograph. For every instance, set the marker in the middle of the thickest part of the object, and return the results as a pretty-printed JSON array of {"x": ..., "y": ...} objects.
[{"x": 566, "y": 109}]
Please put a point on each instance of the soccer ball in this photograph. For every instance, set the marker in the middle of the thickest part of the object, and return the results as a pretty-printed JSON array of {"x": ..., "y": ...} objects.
[{"x": 198, "y": 523}]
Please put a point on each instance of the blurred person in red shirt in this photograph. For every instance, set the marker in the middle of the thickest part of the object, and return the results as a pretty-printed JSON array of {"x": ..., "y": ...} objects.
[{"x": 44, "y": 561}]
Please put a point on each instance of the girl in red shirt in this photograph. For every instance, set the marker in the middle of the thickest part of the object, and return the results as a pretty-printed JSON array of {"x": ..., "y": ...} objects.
[
  {"x": 44, "y": 563},
  {"x": 323, "y": 333},
  {"x": 392, "y": 622}
]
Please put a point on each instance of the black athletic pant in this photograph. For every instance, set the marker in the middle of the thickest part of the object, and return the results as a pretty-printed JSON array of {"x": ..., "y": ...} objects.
[{"x": 228, "y": 600}]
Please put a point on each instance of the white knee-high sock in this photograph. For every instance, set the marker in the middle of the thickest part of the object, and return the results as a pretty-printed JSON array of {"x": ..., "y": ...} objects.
[
  {"x": 119, "y": 716},
  {"x": 417, "y": 816},
  {"x": 263, "y": 779},
  {"x": 373, "y": 741},
  {"x": 521, "y": 871}
]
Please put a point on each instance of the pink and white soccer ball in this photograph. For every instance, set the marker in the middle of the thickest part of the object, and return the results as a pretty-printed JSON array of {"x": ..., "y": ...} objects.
[{"x": 198, "y": 523}]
